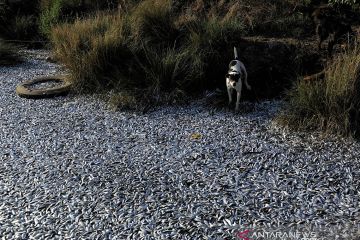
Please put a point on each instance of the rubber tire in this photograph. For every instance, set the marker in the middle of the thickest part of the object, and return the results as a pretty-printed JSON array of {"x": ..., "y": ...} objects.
[{"x": 24, "y": 91}]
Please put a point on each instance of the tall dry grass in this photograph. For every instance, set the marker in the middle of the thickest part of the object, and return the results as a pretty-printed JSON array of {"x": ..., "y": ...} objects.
[
  {"x": 92, "y": 48},
  {"x": 331, "y": 105}
]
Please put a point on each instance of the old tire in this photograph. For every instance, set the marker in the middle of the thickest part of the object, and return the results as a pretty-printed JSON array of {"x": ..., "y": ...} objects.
[{"x": 24, "y": 89}]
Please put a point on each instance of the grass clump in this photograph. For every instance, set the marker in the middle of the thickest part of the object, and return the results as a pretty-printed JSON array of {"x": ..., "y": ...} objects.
[
  {"x": 53, "y": 12},
  {"x": 8, "y": 54},
  {"x": 95, "y": 50},
  {"x": 145, "y": 51},
  {"x": 153, "y": 21},
  {"x": 331, "y": 105}
]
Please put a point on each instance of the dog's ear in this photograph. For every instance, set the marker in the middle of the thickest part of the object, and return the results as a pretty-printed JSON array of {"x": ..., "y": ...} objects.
[{"x": 227, "y": 75}]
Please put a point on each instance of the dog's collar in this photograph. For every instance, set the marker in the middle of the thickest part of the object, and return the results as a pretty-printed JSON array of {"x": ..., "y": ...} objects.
[
  {"x": 234, "y": 75},
  {"x": 234, "y": 72}
]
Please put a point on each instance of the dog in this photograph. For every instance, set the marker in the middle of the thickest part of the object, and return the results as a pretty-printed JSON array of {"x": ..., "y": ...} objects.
[{"x": 234, "y": 79}]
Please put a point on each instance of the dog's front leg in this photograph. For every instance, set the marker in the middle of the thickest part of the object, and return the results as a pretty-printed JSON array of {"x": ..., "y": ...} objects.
[
  {"x": 238, "y": 96},
  {"x": 229, "y": 90}
]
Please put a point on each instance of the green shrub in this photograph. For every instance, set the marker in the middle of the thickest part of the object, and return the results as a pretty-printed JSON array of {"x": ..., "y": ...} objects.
[
  {"x": 331, "y": 105},
  {"x": 50, "y": 15}
]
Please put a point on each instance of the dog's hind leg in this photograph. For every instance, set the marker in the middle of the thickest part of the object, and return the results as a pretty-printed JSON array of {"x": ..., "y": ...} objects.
[
  {"x": 246, "y": 82},
  {"x": 243, "y": 70}
]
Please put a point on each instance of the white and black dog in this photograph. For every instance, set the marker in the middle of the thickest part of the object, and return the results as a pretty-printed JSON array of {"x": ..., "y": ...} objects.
[{"x": 236, "y": 74}]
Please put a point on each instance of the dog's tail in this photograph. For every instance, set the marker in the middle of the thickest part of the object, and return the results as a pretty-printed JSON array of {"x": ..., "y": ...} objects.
[{"x": 236, "y": 54}]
